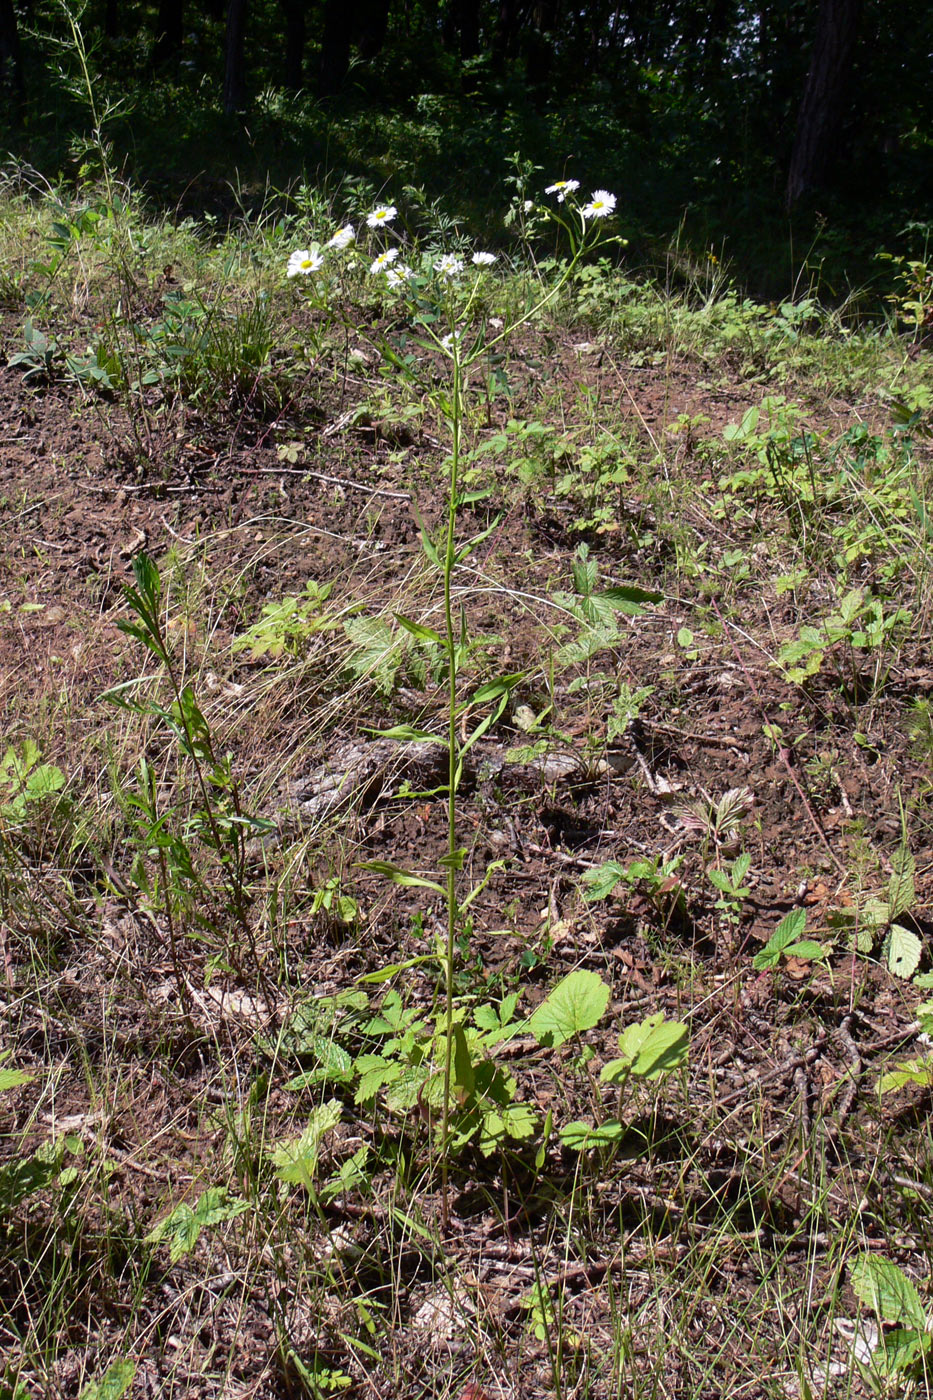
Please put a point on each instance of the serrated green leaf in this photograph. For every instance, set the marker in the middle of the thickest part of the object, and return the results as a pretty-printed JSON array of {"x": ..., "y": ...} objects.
[
  {"x": 788, "y": 931},
  {"x": 216, "y": 1206},
  {"x": 296, "y": 1161},
  {"x": 902, "y": 1348},
  {"x": 115, "y": 1382},
  {"x": 631, "y": 600},
  {"x": 576, "y": 1004},
  {"x": 901, "y": 890},
  {"x": 902, "y": 950},
  {"x": 12, "y": 1078},
  {"x": 887, "y": 1291},
  {"x": 599, "y": 883}
]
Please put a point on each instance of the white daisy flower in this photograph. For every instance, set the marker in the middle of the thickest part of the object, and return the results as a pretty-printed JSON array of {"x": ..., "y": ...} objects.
[
  {"x": 343, "y": 237},
  {"x": 562, "y": 188},
  {"x": 382, "y": 260},
  {"x": 600, "y": 206},
  {"x": 528, "y": 205},
  {"x": 449, "y": 266},
  {"x": 383, "y": 215},
  {"x": 398, "y": 276},
  {"x": 447, "y": 341},
  {"x": 484, "y": 259},
  {"x": 496, "y": 322},
  {"x": 303, "y": 262}
]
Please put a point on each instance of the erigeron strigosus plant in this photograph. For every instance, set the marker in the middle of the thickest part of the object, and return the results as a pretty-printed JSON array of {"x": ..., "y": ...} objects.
[{"x": 443, "y": 294}]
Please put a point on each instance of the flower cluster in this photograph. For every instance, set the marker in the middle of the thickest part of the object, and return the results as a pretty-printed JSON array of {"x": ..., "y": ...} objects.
[
  {"x": 448, "y": 267},
  {"x": 601, "y": 204}
]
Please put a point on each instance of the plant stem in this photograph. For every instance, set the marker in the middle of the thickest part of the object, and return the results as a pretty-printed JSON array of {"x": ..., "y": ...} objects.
[{"x": 453, "y": 762}]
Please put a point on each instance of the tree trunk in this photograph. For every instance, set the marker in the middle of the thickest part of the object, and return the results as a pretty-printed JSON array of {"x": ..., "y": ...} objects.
[
  {"x": 295, "y": 33},
  {"x": 335, "y": 46},
  {"x": 11, "y": 68},
  {"x": 170, "y": 28},
  {"x": 823, "y": 106},
  {"x": 372, "y": 25},
  {"x": 234, "y": 67}
]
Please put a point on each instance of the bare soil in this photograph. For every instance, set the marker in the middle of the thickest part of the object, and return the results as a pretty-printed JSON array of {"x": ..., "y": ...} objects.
[{"x": 776, "y": 1126}]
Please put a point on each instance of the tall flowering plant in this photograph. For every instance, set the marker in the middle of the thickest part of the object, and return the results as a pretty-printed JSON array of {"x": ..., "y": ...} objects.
[{"x": 443, "y": 293}]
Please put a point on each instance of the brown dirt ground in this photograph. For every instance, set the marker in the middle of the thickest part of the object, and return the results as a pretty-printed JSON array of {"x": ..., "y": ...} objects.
[{"x": 772, "y": 1054}]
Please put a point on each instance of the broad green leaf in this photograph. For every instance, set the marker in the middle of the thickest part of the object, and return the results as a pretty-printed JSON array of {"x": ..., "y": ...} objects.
[
  {"x": 518, "y": 1121},
  {"x": 631, "y": 600},
  {"x": 409, "y": 735},
  {"x": 808, "y": 951},
  {"x": 12, "y": 1078},
  {"x": 902, "y": 1348},
  {"x": 902, "y": 951},
  {"x": 114, "y": 1383},
  {"x": 788, "y": 931},
  {"x": 901, "y": 891},
  {"x": 918, "y": 1071},
  {"x": 23, "y": 1176},
  {"x": 43, "y": 781},
  {"x": 580, "y": 1137},
  {"x": 649, "y": 1049},
  {"x": 887, "y": 1291},
  {"x": 576, "y": 1004}
]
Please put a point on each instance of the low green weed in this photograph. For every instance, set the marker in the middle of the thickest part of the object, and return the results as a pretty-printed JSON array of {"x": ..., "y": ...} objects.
[
  {"x": 891, "y": 1298},
  {"x": 216, "y": 821},
  {"x": 862, "y": 623}
]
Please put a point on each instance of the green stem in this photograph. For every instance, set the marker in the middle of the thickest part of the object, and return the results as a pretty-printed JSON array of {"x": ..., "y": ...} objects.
[{"x": 453, "y": 760}]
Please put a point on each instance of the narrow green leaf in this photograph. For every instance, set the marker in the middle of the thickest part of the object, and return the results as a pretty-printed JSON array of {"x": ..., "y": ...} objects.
[
  {"x": 399, "y": 876},
  {"x": 463, "y": 1076},
  {"x": 502, "y": 685},
  {"x": 417, "y": 629}
]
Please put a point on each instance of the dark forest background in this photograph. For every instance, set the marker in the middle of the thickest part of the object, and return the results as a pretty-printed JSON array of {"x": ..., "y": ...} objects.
[{"x": 791, "y": 139}]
